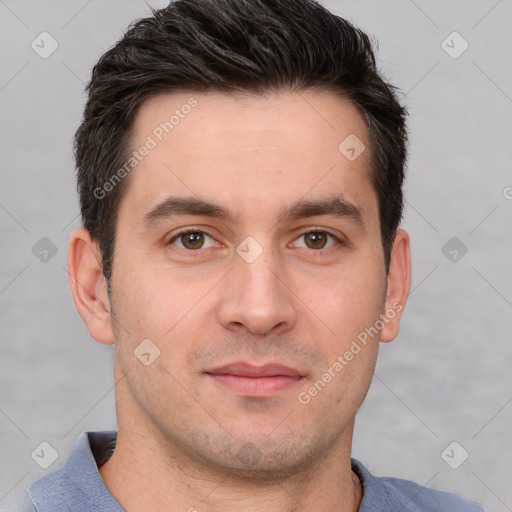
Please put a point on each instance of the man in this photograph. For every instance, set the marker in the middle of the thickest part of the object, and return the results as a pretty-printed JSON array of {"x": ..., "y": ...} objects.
[{"x": 240, "y": 168}]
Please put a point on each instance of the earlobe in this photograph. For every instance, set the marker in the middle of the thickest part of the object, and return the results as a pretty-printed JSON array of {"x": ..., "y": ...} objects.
[
  {"x": 399, "y": 284},
  {"x": 88, "y": 285}
]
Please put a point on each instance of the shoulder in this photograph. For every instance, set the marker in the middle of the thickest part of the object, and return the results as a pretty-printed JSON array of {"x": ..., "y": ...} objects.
[
  {"x": 387, "y": 493},
  {"x": 420, "y": 498},
  {"x": 77, "y": 485}
]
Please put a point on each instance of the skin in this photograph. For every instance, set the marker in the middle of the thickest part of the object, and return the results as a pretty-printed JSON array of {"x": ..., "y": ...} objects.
[{"x": 184, "y": 440}]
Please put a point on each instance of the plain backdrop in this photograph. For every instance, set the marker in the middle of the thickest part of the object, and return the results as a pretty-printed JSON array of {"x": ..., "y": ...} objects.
[{"x": 445, "y": 379}]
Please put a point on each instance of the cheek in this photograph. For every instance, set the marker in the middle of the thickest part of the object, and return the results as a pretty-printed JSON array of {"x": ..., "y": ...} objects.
[
  {"x": 337, "y": 393},
  {"x": 152, "y": 300},
  {"x": 348, "y": 299}
]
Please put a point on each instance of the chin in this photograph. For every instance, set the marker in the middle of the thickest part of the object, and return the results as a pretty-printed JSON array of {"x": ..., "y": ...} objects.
[{"x": 262, "y": 457}]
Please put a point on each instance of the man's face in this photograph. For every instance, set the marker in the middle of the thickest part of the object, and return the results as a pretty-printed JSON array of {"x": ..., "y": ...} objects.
[{"x": 250, "y": 289}]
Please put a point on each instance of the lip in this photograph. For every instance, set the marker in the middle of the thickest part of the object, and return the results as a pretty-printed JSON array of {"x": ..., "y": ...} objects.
[
  {"x": 242, "y": 369},
  {"x": 255, "y": 381}
]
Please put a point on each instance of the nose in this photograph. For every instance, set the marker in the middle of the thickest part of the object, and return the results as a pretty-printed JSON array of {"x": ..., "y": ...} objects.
[{"x": 257, "y": 298}]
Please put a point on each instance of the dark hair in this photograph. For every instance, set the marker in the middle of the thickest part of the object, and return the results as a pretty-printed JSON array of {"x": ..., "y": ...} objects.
[{"x": 233, "y": 46}]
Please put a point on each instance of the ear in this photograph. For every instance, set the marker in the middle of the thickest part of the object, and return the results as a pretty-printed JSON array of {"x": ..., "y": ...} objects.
[
  {"x": 399, "y": 284},
  {"x": 89, "y": 286}
]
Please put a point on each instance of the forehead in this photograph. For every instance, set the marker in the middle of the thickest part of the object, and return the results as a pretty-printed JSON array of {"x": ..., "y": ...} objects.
[{"x": 248, "y": 151}]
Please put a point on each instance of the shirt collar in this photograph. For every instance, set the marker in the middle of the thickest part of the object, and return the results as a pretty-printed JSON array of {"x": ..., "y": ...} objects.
[{"x": 78, "y": 484}]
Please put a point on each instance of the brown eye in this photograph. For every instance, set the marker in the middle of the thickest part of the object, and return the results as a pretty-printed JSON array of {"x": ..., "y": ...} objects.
[
  {"x": 316, "y": 239},
  {"x": 192, "y": 240}
]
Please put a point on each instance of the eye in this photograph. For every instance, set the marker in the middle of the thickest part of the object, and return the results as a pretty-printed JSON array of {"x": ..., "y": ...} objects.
[
  {"x": 318, "y": 239},
  {"x": 192, "y": 239}
]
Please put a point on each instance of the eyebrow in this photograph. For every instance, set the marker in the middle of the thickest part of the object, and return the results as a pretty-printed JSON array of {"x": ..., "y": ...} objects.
[{"x": 336, "y": 206}]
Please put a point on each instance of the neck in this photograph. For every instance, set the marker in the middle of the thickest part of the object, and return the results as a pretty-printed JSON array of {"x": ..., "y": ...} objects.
[{"x": 184, "y": 484}]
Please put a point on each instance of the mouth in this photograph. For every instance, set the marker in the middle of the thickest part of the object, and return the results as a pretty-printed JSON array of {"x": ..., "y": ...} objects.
[{"x": 255, "y": 381}]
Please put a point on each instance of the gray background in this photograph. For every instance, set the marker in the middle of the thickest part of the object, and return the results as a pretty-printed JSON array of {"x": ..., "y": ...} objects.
[{"x": 445, "y": 378}]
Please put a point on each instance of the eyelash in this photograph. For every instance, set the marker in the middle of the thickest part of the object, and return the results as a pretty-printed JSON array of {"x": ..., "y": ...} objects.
[{"x": 195, "y": 230}]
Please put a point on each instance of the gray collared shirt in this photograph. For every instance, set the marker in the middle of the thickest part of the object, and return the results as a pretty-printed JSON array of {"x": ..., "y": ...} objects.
[{"x": 78, "y": 487}]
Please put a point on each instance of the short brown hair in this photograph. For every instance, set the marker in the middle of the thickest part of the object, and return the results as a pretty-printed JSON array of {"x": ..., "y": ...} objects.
[{"x": 248, "y": 46}]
